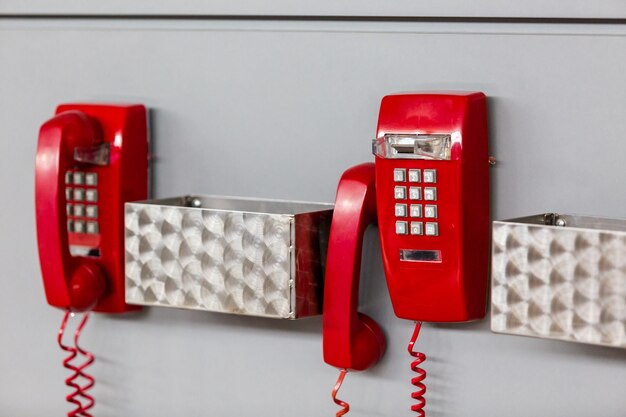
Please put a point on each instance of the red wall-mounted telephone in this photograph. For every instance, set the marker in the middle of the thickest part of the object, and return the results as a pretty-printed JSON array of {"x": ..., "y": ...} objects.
[
  {"x": 429, "y": 190},
  {"x": 91, "y": 159}
]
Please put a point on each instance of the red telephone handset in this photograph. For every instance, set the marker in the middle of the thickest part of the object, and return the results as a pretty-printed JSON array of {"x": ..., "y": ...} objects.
[
  {"x": 91, "y": 159},
  {"x": 432, "y": 202},
  {"x": 352, "y": 340}
]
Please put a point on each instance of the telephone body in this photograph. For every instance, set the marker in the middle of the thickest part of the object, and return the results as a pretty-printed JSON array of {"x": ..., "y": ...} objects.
[
  {"x": 428, "y": 190},
  {"x": 432, "y": 183},
  {"x": 91, "y": 159}
]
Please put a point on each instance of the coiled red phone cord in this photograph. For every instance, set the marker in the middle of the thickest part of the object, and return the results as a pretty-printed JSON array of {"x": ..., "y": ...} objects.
[
  {"x": 345, "y": 406},
  {"x": 418, "y": 395},
  {"x": 73, "y": 381}
]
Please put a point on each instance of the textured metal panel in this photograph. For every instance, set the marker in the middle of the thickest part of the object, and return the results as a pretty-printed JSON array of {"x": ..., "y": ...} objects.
[
  {"x": 216, "y": 260},
  {"x": 559, "y": 282}
]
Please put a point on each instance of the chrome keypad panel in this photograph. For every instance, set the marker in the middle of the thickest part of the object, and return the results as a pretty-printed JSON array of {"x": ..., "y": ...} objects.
[
  {"x": 421, "y": 187},
  {"x": 81, "y": 195}
]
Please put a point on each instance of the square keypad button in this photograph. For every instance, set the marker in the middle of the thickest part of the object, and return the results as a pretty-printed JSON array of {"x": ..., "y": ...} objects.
[
  {"x": 399, "y": 193},
  {"x": 69, "y": 209},
  {"x": 91, "y": 195},
  {"x": 430, "y": 193},
  {"x": 79, "y": 226},
  {"x": 430, "y": 211},
  {"x": 78, "y": 178},
  {"x": 414, "y": 175},
  {"x": 430, "y": 175},
  {"x": 417, "y": 228},
  {"x": 92, "y": 211},
  {"x": 400, "y": 210},
  {"x": 399, "y": 175},
  {"x": 416, "y": 210},
  {"x": 415, "y": 193},
  {"x": 68, "y": 177},
  {"x": 401, "y": 227},
  {"x": 92, "y": 227},
  {"x": 91, "y": 179},
  {"x": 432, "y": 229},
  {"x": 69, "y": 194},
  {"x": 79, "y": 210},
  {"x": 79, "y": 194}
]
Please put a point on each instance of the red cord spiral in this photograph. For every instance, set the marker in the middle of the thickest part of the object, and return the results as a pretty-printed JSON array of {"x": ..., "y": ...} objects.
[
  {"x": 79, "y": 391},
  {"x": 345, "y": 406},
  {"x": 418, "y": 395}
]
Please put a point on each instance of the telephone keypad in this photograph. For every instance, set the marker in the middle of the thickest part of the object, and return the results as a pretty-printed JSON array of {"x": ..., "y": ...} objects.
[
  {"x": 415, "y": 193},
  {"x": 430, "y": 211},
  {"x": 430, "y": 175},
  {"x": 414, "y": 175},
  {"x": 399, "y": 193},
  {"x": 430, "y": 193},
  {"x": 400, "y": 210},
  {"x": 78, "y": 212},
  {"x": 417, "y": 228},
  {"x": 399, "y": 175},
  {"x": 401, "y": 227},
  {"x": 432, "y": 229}
]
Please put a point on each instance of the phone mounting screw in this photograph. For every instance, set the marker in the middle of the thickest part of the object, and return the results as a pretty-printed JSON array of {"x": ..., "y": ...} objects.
[{"x": 554, "y": 219}]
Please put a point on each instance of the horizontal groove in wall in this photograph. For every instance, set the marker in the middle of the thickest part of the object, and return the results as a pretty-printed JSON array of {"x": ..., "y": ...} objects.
[{"x": 320, "y": 18}]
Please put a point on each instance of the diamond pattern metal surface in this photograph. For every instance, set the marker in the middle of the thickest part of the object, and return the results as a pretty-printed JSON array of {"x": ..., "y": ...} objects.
[
  {"x": 559, "y": 283},
  {"x": 223, "y": 261}
]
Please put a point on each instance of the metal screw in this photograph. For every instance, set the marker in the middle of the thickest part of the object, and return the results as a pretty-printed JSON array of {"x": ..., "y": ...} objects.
[
  {"x": 561, "y": 222},
  {"x": 195, "y": 202}
]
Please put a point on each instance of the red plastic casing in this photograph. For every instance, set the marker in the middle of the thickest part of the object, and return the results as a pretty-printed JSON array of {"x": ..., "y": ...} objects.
[
  {"x": 351, "y": 340},
  {"x": 455, "y": 288},
  {"x": 88, "y": 282}
]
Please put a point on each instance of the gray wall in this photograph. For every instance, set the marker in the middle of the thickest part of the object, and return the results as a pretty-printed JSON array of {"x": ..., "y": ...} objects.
[
  {"x": 578, "y": 9},
  {"x": 279, "y": 110}
]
